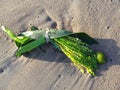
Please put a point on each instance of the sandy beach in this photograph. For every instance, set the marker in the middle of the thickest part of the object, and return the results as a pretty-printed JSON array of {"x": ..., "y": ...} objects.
[{"x": 52, "y": 70}]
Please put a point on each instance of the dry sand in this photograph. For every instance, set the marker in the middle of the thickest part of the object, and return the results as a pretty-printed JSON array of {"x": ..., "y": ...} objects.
[{"x": 52, "y": 70}]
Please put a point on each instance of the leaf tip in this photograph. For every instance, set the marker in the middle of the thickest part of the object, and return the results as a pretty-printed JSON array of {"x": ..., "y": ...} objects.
[{"x": 3, "y": 28}]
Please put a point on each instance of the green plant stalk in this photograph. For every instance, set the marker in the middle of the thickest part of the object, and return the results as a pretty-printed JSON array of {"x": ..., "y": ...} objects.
[
  {"x": 78, "y": 57},
  {"x": 30, "y": 46},
  {"x": 75, "y": 59},
  {"x": 81, "y": 51},
  {"x": 73, "y": 45},
  {"x": 24, "y": 40},
  {"x": 75, "y": 62},
  {"x": 12, "y": 35}
]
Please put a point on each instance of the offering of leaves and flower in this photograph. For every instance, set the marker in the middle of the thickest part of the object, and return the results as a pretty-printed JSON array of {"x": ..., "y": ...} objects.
[{"x": 74, "y": 45}]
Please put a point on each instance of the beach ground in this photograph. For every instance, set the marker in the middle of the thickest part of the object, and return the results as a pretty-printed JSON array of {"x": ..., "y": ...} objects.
[{"x": 52, "y": 70}]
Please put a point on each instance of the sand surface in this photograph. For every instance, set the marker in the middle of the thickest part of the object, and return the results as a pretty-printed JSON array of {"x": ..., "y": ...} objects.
[{"x": 52, "y": 70}]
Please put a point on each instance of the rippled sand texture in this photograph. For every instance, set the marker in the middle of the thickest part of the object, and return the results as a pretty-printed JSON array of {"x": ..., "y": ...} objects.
[{"x": 49, "y": 69}]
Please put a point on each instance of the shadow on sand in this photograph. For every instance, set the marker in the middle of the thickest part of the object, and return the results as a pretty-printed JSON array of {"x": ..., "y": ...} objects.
[{"x": 108, "y": 46}]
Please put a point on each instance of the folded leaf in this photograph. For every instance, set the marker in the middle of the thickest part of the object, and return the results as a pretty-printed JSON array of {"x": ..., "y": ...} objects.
[
  {"x": 30, "y": 46},
  {"x": 85, "y": 38},
  {"x": 58, "y": 33}
]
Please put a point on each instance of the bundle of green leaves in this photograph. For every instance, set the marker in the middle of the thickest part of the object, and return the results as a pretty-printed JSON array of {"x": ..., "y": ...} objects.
[{"x": 74, "y": 45}]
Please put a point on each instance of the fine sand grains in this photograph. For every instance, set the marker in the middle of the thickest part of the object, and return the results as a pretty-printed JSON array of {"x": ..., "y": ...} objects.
[{"x": 51, "y": 69}]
